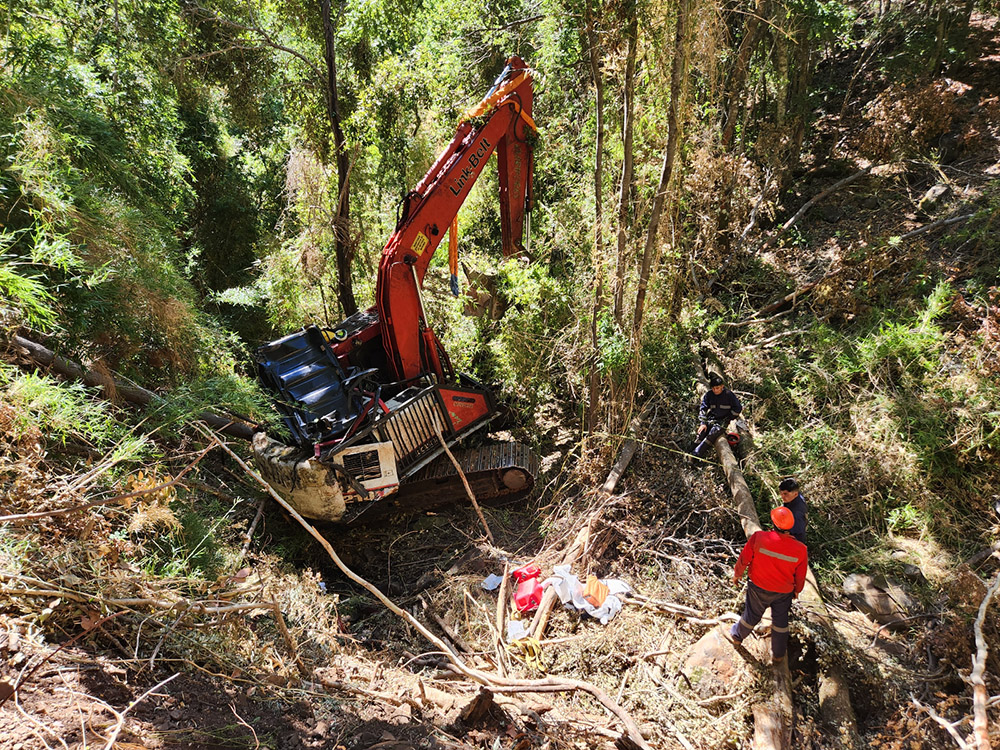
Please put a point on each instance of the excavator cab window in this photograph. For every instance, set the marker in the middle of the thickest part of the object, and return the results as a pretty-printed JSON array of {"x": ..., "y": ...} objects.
[{"x": 317, "y": 398}]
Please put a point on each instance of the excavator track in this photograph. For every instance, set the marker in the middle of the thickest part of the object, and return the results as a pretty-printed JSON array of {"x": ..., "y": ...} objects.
[{"x": 497, "y": 473}]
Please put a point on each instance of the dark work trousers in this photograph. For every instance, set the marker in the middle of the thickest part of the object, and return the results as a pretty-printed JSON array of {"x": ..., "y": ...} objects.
[
  {"x": 711, "y": 435},
  {"x": 758, "y": 600}
]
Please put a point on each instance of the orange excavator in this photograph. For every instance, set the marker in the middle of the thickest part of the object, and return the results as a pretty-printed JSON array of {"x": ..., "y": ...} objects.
[{"x": 371, "y": 404}]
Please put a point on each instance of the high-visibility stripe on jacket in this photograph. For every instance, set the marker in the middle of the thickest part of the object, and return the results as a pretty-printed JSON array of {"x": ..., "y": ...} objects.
[{"x": 777, "y": 562}]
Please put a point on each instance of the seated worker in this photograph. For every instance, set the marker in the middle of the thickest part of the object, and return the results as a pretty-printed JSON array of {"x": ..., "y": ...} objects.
[{"x": 719, "y": 405}]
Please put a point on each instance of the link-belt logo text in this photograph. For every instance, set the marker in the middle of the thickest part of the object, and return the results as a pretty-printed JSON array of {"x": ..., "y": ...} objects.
[{"x": 469, "y": 169}]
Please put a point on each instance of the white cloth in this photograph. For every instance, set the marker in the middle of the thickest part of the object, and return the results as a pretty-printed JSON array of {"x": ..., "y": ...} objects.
[
  {"x": 516, "y": 629},
  {"x": 570, "y": 592}
]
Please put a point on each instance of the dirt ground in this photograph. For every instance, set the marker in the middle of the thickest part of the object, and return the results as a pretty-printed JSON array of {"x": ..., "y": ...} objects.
[{"x": 669, "y": 535}]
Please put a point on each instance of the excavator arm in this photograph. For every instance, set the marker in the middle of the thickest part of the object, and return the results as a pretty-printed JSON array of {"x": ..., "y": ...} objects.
[{"x": 501, "y": 122}]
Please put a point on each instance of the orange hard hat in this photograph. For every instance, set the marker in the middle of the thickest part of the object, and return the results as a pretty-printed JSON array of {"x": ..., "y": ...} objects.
[{"x": 782, "y": 518}]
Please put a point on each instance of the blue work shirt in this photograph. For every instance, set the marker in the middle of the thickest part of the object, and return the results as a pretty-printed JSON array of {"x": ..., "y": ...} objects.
[
  {"x": 719, "y": 409},
  {"x": 798, "y": 507}
]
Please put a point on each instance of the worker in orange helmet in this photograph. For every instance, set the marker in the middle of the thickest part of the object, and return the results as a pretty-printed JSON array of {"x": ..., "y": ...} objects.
[{"x": 777, "y": 570}]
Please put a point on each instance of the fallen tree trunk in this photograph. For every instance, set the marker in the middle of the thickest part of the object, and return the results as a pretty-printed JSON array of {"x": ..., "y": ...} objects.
[
  {"x": 947, "y": 222},
  {"x": 772, "y": 719},
  {"x": 834, "y": 695},
  {"x": 790, "y": 298},
  {"x": 49, "y": 360},
  {"x": 816, "y": 199}
]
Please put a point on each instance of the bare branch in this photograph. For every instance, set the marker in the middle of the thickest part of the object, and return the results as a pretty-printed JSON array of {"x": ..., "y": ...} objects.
[
  {"x": 465, "y": 482},
  {"x": 981, "y": 727},
  {"x": 494, "y": 682},
  {"x": 265, "y": 38},
  {"x": 948, "y": 726},
  {"x": 816, "y": 199},
  {"x": 116, "y": 498},
  {"x": 120, "y": 724},
  {"x": 935, "y": 224}
]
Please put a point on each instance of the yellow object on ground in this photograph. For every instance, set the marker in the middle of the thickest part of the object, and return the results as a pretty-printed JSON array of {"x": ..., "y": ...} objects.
[{"x": 529, "y": 650}]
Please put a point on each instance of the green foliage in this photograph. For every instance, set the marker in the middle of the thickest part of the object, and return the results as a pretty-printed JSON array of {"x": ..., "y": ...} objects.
[
  {"x": 885, "y": 414},
  {"x": 59, "y": 411},
  {"x": 524, "y": 353},
  {"x": 829, "y": 21},
  {"x": 24, "y": 295},
  {"x": 191, "y": 549},
  {"x": 15, "y": 550},
  {"x": 667, "y": 356},
  {"x": 613, "y": 352},
  {"x": 901, "y": 353},
  {"x": 221, "y": 394}
]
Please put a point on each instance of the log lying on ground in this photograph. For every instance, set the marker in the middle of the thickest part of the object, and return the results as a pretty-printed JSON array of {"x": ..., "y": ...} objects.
[
  {"x": 834, "y": 695},
  {"x": 773, "y": 718},
  {"x": 816, "y": 199},
  {"x": 572, "y": 554},
  {"x": 133, "y": 394},
  {"x": 789, "y": 299}
]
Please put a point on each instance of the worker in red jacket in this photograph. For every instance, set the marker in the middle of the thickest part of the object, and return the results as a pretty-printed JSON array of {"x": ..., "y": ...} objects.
[{"x": 777, "y": 563}]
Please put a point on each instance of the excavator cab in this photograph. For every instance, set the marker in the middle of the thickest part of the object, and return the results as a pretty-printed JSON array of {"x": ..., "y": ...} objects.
[{"x": 317, "y": 398}]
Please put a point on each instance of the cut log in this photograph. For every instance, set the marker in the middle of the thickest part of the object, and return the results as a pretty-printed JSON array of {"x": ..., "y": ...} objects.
[{"x": 770, "y": 729}]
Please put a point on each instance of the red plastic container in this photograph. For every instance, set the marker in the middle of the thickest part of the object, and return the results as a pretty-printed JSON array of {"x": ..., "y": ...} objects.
[
  {"x": 526, "y": 572},
  {"x": 528, "y": 594}
]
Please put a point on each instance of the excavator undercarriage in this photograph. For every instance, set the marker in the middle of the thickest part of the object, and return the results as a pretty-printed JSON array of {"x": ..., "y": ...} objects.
[
  {"x": 376, "y": 448},
  {"x": 496, "y": 473}
]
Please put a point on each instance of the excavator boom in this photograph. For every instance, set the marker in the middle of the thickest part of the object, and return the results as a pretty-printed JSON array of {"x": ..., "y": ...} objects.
[{"x": 502, "y": 123}]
